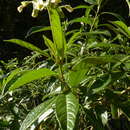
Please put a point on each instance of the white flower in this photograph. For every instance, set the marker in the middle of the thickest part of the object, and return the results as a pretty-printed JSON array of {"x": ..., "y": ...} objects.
[
  {"x": 23, "y": 4},
  {"x": 38, "y": 5},
  {"x": 55, "y": 1}
]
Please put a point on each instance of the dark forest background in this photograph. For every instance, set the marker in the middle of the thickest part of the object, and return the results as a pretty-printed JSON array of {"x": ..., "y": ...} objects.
[{"x": 16, "y": 25}]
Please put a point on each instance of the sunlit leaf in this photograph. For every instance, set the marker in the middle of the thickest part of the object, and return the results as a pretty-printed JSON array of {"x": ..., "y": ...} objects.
[
  {"x": 37, "y": 112},
  {"x": 30, "y": 76},
  {"x": 66, "y": 109},
  {"x": 91, "y": 1},
  {"x": 57, "y": 31},
  {"x": 27, "y": 45},
  {"x": 122, "y": 27}
]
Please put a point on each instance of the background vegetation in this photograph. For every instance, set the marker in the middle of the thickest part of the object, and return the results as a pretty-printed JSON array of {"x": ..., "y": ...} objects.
[{"x": 76, "y": 74}]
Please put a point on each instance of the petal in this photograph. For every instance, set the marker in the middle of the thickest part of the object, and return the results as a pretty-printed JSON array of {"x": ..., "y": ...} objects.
[
  {"x": 35, "y": 13},
  {"x": 25, "y": 3}
]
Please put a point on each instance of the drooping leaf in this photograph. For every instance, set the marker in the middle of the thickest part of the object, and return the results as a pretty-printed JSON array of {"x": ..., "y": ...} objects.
[
  {"x": 37, "y": 112},
  {"x": 105, "y": 80},
  {"x": 66, "y": 109},
  {"x": 125, "y": 107},
  {"x": 30, "y": 76},
  {"x": 122, "y": 28},
  {"x": 9, "y": 79},
  {"x": 37, "y": 29},
  {"x": 80, "y": 19},
  {"x": 114, "y": 14},
  {"x": 101, "y": 83},
  {"x": 27, "y": 45}
]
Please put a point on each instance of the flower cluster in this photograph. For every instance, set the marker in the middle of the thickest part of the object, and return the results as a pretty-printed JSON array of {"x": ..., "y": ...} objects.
[{"x": 38, "y": 5}]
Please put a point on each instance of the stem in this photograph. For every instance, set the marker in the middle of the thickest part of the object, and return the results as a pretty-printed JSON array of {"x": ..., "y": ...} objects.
[
  {"x": 61, "y": 76},
  {"x": 98, "y": 8},
  {"x": 61, "y": 73}
]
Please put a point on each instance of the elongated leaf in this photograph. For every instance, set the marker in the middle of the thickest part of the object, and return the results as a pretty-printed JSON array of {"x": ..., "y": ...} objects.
[
  {"x": 91, "y": 1},
  {"x": 27, "y": 45},
  {"x": 105, "y": 45},
  {"x": 104, "y": 81},
  {"x": 108, "y": 46},
  {"x": 125, "y": 107},
  {"x": 77, "y": 73},
  {"x": 101, "y": 59},
  {"x": 81, "y": 19},
  {"x": 9, "y": 79},
  {"x": 37, "y": 112},
  {"x": 101, "y": 84},
  {"x": 12, "y": 74},
  {"x": 37, "y": 29},
  {"x": 74, "y": 37},
  {"x": 57, "y": 32},
  {"x": 115, "y": 15},
  {"x": 66, "y": 110},
  {"x": 98, "y": 32},
  {"x": 31, "y": 75},
  {"x": 122, "y": 27},
  {"x": 51, "y": 46},
  {"x": 83, "y": 6}
]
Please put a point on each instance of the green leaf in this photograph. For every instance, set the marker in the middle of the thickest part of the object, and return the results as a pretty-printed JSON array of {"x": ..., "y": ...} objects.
[
  {"x": 37, "y": 29},
  {"x": 105, "y": 45},
  {"x": 37, "y": 112},
  {"x": 57, "y": 32},
  {"x": 30, "y": 76},
  {"x": 9, "y": 79},
  {"x": 114, "y": 14},
  {"x": 122, "y": 27},
  {"x": 91, "y": 1},
  {"x": 77, "y": 73},
  {"x": 101, "y": 83},
  {"x": 81, "y": 19},
  {"x": 98, "y": 32},
  {"x": 51, "y": 46},
  {"x": 125, "y": 107},
  {"x": 66, "y": 109},
  {"x": 101, "y": 59},
  {"x": 27, "y": 45},
  {"x": 73, "y": 38}
]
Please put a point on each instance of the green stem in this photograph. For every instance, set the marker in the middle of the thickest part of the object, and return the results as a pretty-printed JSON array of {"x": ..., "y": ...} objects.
[{"x": 96, "y": 15}]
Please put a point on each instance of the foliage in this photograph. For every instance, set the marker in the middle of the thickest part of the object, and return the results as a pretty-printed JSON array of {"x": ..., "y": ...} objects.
[{"x": 81, "y": 81}]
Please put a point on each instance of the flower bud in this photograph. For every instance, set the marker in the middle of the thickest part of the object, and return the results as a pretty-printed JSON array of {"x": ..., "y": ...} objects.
[{"x": 20, "y": 8}]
